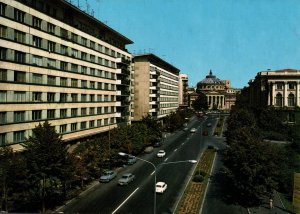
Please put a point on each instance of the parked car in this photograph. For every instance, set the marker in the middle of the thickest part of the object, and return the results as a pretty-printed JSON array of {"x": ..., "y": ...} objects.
[
  {"x": 208, "y": 125},
  {"x": 160, "y": 187},
  {"x": 161, "y": 153},
  {"x": 126, "y": 179},
  {"x": 193, "y": 130},
  {"x": 108, "y": 176},
  {"x": 148, "y": 149},
  {"x": 131, "y": 160},
  {"x": 157, "y": 144},
  {"x": 186, "y": 129}
]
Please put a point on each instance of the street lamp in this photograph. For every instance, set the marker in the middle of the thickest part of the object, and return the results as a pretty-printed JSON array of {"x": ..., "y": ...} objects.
[{"x": 155, "y": 168}]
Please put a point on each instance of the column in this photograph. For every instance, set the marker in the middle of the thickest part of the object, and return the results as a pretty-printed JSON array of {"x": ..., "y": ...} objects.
[
  {"x": 285, "y": 94},
  {"x": 297, "y": 97}
]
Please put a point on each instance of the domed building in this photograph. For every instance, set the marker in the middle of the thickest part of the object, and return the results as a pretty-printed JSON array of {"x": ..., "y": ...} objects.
[{"x": 218, "y": 92}]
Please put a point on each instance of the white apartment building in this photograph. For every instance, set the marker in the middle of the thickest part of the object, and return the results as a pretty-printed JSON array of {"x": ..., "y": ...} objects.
[
  {"x": 60, "y": 64},
  {"x": 155, "y": 87}
]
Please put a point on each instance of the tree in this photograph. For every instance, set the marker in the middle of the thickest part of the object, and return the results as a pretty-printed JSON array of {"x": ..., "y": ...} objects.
[
  {"x": 200, "y": 103},
  {"x": 49, "y": 165}
]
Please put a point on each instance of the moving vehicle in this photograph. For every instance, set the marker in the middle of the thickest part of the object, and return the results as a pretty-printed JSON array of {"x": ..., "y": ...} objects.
[
  {"x": 161, "y": 153},
  {"x": 131, "y": 160},
  {"x": 160, "y": 187},
  {"x": 193, "y": 130},
  {"x": 108, "y": 176},
  {"x": 126, "y": 179},
  {"x": 208, "y": 125}
]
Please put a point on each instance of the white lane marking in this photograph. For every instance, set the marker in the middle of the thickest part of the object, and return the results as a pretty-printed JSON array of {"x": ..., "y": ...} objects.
[
  {"x": 165, "y": 159},
  {"x": 152, "y": 172},
  {"x": 175, "y": 150},
  {"x": 125, "y": 201}
]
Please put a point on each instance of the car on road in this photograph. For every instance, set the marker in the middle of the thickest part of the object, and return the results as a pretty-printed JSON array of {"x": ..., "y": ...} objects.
[
  {"x": 193, "y": 130},
  {"x": 157, "y": 144},
  {"x": 208, "y": 125},
  {"x": 161, "y": 153},
  {"x": 160, "y": 187},
  {"x": 126, "y": 179},
  {"x": 108, "y": 176},
  {"x": 186, "y": 129},
  {"x": 131, "y": 160},
  {"x": 148, "y": 149}
]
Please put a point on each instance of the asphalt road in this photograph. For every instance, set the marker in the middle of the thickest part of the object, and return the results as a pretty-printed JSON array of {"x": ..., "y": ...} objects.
[{"x": 138, "y": 196}]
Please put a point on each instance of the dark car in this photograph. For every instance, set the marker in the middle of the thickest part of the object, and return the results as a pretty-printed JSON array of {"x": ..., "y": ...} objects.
[
  {"x": 157, "y": 144},
  {"x": 131, "y": 160}
]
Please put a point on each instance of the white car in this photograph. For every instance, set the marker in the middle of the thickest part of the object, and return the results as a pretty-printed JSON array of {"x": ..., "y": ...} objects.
[
  {"x": 161, "y": 153},
  {"x": 160, "y": 187},
  {"x": 126, "y": 179},
  {"x": 193, "y": 130}
]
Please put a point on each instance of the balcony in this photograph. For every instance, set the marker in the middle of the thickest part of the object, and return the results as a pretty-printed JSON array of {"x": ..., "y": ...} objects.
[{"x": 123, "y": 61}]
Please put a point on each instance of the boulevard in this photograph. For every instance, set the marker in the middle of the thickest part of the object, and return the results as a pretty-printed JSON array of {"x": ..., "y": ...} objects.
[{"x": 138, "y": 196}]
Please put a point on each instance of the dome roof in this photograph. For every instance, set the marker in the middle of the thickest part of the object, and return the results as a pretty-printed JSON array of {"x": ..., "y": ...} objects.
[{"x": 210, "y": 79}]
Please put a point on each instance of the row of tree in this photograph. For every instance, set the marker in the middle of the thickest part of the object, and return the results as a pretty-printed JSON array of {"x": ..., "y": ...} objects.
[
  {"x": 48, "y": 171},
  {"x": 254, "y": 167}
]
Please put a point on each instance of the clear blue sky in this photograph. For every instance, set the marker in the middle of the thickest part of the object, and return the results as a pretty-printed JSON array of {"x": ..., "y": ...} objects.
[{"x": 234, "y": 38}]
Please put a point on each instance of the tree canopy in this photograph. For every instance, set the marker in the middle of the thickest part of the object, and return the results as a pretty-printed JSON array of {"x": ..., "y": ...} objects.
[{"x": 200, "y": 103}]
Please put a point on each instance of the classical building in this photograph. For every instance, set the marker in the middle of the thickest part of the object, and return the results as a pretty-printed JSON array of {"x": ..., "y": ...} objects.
[
  {"x": 183, "y": 90},
  {"x": 219, "y": 93},
  {"x": 155, "y": 87},
  {"x": 280, "y": 88},
  {"x": 60, "y": 64}
]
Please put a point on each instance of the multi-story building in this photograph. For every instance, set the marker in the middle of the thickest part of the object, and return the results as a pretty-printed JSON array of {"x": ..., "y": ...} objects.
[
  {"x": 60, "y": 64},
  {"x": 280, "y": 88},
  {"x": 155, "y": 87},
  {"x": 183, "y": 90}
]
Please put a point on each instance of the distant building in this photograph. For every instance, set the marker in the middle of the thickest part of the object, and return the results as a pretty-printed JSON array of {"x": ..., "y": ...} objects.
[
  {"x": 155, "y": 87},
  {"x": 183, "y": 89},
  {"x": 219, "y": 93},
  {"x": 280, "y": 88},
  {"x": 60, "y": 64}
]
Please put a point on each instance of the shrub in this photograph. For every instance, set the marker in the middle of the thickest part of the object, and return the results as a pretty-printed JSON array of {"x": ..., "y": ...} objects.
[
  {"x": 200, "y": 172},
  {"x": 198, "y": 178}
]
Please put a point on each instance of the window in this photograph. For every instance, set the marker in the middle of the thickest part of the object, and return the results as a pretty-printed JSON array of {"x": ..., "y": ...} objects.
[
  {"x": 83, "y": 98},
  {"x": 64, "y": 33},
  {"x": 83, "y": 56},
  {"x": 19, "y": 96},
  {"x": 3, "y": 96},
  {"x": 20, "y": 56},
  {"x": 92, "y": 98},
  {"x": 19, "y": 76},
  {"x": 100, "y": 48},
  {"x": 99, "y": 98},
  {"x": 106, "y": 50},
  {"x": 19, "y": 15},
  {"x": 19, "y": 36},
  {"x": 83, "y": 84},
  {"x": 92, "y": 58},
  {"x": 279, "y": 86},
  {"x": 51, "y": 46},
  {"x": 51, "y": 28},
  {"x": 83, "y": 111},
  {"x": 83, "y": 125},
  {"x": 92, "y": 71},
  {"x": 92, "y": 84},
  {"x": 63, "y": 50},
  {"x": 51, "y": 113},
  {"x": 99, "y": 110},
  {"x": 51, "y": 63},
  {"x": 92, "y": 123},
  {"x": 37, "y": 41},
  {"x": 92, "y": 44},
  {"x": 3, "y": 53},
  {"x": 19, "y": 136},
  {"x": 73, "y": 126},
  {"x": 291, "y": 85},
  {"x": 51, "y": 80},
  {"x": 36, "y": 22},
  {"x": 83, "y": 69},
  {"x": 106, "y": 110},
  {"x": 75, "y": 53},
  {"x": 74, "y": 82},
  {"x": 291, "y": 100},
  {"x": 63, "y": 97},
  {"x": 83, "y": 41},
  {"x": 99, "y": 122},
  {"x": 3, "y": 75},
  {"x": 74, "y": 37},
  {"x": 100, "y": 61},
  {"x": 2, "y": 9},
  {"x": 37, "y": 60},
  {"x": 63, "y": 81},
  {"x": 74, "y": 68},
  {"x": 105, "y": 62},
  {"x": 50, "y": 97},
  {"x": 19, "y": 116},
  {"x": 37, "y": 115},
  {"x": 74, "y": 112},
  {"x": 3, "y": 31},
  {"x": 63, "y": 66},
  {"x": 36, "y": 96},
  {"x": 74, "y": 97},
  {"x": 63, "y": 128},
  {"x": 63, "y": 113},
  {"x": 278, "y": 100},
  {"x": 2, "y": 117},
  {"x": 2, "y": 135},
  {"x": 37, "y": 78},
  {"x": 92, "y": 111}
]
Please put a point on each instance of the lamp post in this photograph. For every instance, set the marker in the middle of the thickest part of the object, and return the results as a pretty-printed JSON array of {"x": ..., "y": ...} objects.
[{"x": 155, "y": 168}]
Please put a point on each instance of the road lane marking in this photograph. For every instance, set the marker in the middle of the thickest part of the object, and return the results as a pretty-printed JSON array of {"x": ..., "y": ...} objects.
[
  {"x": 125, "y": 201},
  {"x": 165, "y": 159},
  {"x": 152, "y": 172},
  {"x": 175, "y": 150}
]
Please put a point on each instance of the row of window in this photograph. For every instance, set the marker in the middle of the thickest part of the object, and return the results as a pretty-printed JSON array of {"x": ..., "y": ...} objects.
[
  {"x": 168, "y": 105},
  {"x": 20, "y": 116},
  {"x": 34, "y": 78},
  {"x": 220, "y": 87},
  {"x": 23, "y": 96},
  {"x": 19, "y": 136},
  {"x": 279, "y": 100},
  {"x": 164, "y": 73},
  {"x": 290, "y": 85},
  {"x": 37, "y": 23}
]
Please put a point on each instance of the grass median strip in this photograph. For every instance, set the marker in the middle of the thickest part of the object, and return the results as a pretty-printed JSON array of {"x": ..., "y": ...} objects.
[{"x": 194, "y": 194}]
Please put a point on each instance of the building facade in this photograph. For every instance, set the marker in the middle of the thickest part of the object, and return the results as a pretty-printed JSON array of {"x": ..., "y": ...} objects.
[
  {"x": 183, "y": 90},
  {"x": 280, "y": 88},
  {"x": 60, "y": 64},
  {"x": 219, "y": 93},
  {"x": 155, "y": 87}
]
